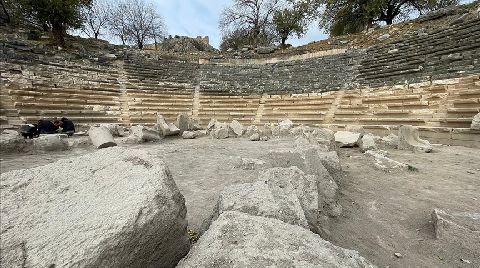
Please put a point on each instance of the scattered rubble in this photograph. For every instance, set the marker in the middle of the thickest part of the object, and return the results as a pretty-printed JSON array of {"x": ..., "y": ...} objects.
[
  {"x": 368, "y": 142},
  {"x": 384, "y": 163},
  {"x": 166, "y": 129},
  {"x": 11, "y": 141},
  {"x": 115, "y": 129},
  {"x": 237, "y": 128}
]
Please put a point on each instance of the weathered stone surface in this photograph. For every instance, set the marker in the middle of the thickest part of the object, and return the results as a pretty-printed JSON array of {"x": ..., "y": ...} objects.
[
  {"x": 79, "y": 142},
  {"x": 355, "y": 129},
  {"x": 324, "y": 137},
  {"x": 141, "y": 133},
  {"x": 237, "y": 128},
  {"x": 476, "y": 122},
  {"x": 193, "y": 125},
  {"x": 272, "y": 197},
  {"x": 254, "y": 137},
  {"x": 211, "y": 124},
  {"x": 391, "y": 140},
  {"x": 247, "y": 163},
  {"x": 252, "y": 129},
  {"x": 51, "y": 142},
  {"x": 182, "y": 122},
  {"x": 462, "y": 228},
  {"x": 310, "y": 161},
  {"x": 347, "y": 139},
  {"x": 11, "y": 141},
  {"x": 410, "y": 140},
  {"x": 383, "y": 162},
  {"x": 189, "y": 135},
  {"x": 101, "y": 137},
  {"x": 301, "y": 131},
  {"x": 221, "y": 131},
  {"x": 164, "y": 128},
  {"x": 115, "y": 129},
  {"x": 368, "y": 142},
  {"x": 116, "y": 207},
  {"x": 237, "y": 239}
]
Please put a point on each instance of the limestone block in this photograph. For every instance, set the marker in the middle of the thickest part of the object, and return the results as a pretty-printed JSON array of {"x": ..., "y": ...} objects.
[
  {"x": 311, "y": 162},
  {"x": 252, "y": 129},
  {"x": 101, "y": 137},
  {"x": 347, "y": 139},
  {"x": 272, "y": 199},
  {"x": 116, "y": 207},
  {"x": 410, "y": 140},
  {"x": 11, "y": 141},
  {"x": 144, "y": 134},
  {"x": 182, "y": 122},
  {"x": 115, "y": 129},
  {"x": 254, "y": 137},
  {"x": 237, "y": 239},
  {"x": 391, "y": 140},
  {"x": 237, "y": 128},
  {"x": 457, "y": 226},
  {"x": 221, "y": 131},
  {"x": 383, "y": 162},
  {"x": 355, "y": 129},
  {"x": 193, "y": 125},
  {"x": 51, "y": 142},
  {"x": 476, "y": 122},
  {"x": 164, "y": 128},
  {"x": 189, "y": 135},
  {"x": 211, "y": 124},
  {"x": 368, "y": 142}
]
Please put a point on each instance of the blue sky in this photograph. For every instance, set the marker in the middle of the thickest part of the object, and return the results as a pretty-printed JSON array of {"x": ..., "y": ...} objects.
[{"x": 200, "y": 17}]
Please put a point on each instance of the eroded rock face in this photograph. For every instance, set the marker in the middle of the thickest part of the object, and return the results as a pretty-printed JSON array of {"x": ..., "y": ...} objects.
[
  {"x": 456, "y": 226},
  {"x": 237, "y": 239},
  {"x": 347, "y": 139},
  {"x": 410, "y": 140},
  {"x": 476, "y": 122},
  {"x": 221, "y": 131},
  {"x": 116, "y": 207},
  {"x": 165, "y": 128}
]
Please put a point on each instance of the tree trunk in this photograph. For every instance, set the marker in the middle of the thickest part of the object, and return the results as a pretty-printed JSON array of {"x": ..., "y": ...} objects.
[
  {"x": 284, "y": 40},
  {"x": 389, "y": 21},
  {"x": 58, "y": 33},
  {"x": 96, "y": 35}
]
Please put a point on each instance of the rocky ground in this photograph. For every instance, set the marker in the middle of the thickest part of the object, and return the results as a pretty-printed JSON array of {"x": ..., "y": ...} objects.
[{"x": 386, "y": 215}]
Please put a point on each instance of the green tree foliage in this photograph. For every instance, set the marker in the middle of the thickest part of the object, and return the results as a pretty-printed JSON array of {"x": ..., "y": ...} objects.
[
  {"x": 351, "y": 16},
  {"x": 57, "y": 15},
  {"x": 294, "y": 19}
]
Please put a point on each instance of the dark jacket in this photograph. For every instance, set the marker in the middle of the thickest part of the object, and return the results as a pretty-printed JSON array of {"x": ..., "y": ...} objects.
[
  {"x": 46, "y": 127},
  {"x": 68, "y": 125}
]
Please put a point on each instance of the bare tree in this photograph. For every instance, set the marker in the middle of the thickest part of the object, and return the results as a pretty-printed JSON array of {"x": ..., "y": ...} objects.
[
  {"x": 137, "y": 22},
  {"x": 253, "y": 16},
  {"x": 95, "y": 18},
  {"x": 118, "y": 20}
]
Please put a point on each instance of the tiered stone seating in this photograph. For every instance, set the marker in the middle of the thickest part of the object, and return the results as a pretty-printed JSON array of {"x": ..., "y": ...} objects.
[
  {"x": 304, "y": 109},
  {"x": 228, "y": 108}
]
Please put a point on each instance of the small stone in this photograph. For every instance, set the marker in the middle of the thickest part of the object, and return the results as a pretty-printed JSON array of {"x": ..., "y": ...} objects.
[
  {"x": 254, "y": 137},
  {"x": 237, "y": 128},
  {"x": 398, "y": 255},
  {"x": 475, "y": 122},
  {"x": 189, "y": 135}
]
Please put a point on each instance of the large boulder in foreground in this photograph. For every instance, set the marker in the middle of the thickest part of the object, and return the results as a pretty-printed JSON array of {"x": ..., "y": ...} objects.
[
  {"x": 116, "y": 207},
  {"x": 51, "y": 142},
  {"x": 410, "y": 140},
  {"x": 11, "y": 141},
  {"x": 237, "y": 239}
]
